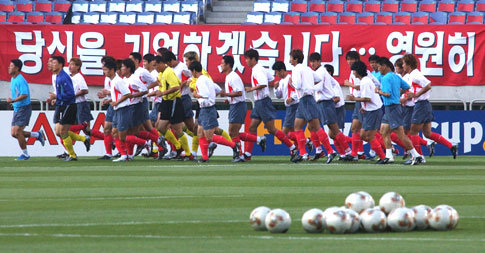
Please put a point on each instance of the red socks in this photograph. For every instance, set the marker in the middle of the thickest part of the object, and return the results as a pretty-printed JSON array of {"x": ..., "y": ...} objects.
[
  {"x": 148, "y": 136},
  {"x": 323, "y": 137},
  {"x": 355, "y": 143},
  {"x": 131, "y": 139},
  {"x": 204, "y": 148},
  {"x": 378, "y": 136},
  {"x": 300, "y": 137},
  {"x": 376, "y": 146},
  {"x": 396, "y": 140},
  {"x": 248, "y": 137},
  {"x": 76, "y": 128},
  {"x": 283, "y": 138},
  {"x": 292, "y": 136},
  {"x": 221, "y": 140},
  {"x": 440, "y": 139},
  {"x": 108, "y": 142},
  {"x": 315, "y": 140},
  {"x": 416, "y": 143},
  {"x": 341, "y": 142},
  {"x": 120, "y": 146}
]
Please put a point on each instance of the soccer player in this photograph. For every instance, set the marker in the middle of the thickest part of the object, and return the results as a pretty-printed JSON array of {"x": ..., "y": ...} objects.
[
  {"x": 263, "y": 110},
  {"x": 373, "y": 59},
  {"x": 339, "y": 98},
  {"x": 288, "y": 93},
  {"x": 390, "y": 90},
  {"x": 22, "y": 109},
  {"x": 371, "y": 108},
  {"x": 66, "y": 109},
  {"x": 84, "y": 116},
  {"x": 423, "y": 113},
  {"x": 206, "y": 95}
]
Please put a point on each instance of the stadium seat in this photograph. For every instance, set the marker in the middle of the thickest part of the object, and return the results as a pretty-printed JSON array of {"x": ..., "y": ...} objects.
[
  {"x": 62, "y": 6},
  {"x": 98, "y": 6},
  {"x": 354, "y": 6},
  {"x": 77, "y": 18},
  {"x": 474, "y": 17},
  {"x": 255, "y": 17},
  {"x": 80, "y": 6},
  {"x": 116, "y": 6},
  {"x": 43, "y": 5},
  {"x": 3, "y": 16},
  {"x": 108, "y": 18},
  {"x": 6, "y": 5},
  {"x": 347, "y": 18},
  {"x": 24, "y": 5},
  {"x": 145, "y": 18},
  {"x": 190, "y": 6},
  {"x": 365, "y": 18},
  {"x": 299, "y": 6},
  {"x": 91, "y": 18},
  {"x": 183, "y": 18},
  {"x": 465, "y": 5},
  {"x": 262, "y": 6},
  {"x": 291, "y": 17},
  {"x": 35, "y": 17},
  {"x": 280, "y": 5},
  {"x": 402, "y": 17},
  {"x": 328, "y": 17},
  {"x": 420, "y": 17},
  {"x": 446, "y": 5},
  {"x": 164, "y": 18},
  {"x": 273, "y": 17},
  {"x": 309, "y": 17},
  {"x": 480, "y": 5},
  {"x": 171, "y": 5},
  {"x": 134, "y": 6},
  {"x": 317, "y": 6},
  {"x": 427, "y": 5},
  {"x": 16, "y": 17},
  {"x": 127, "y": 17},
  {"x": 335, "y": 6},
  {"x": 408, "y": 5},
  {"x": 438, "y": 17},
  {"x": 153, "y": 6},
  {"x": 54, "y": 17},
  {"x": 384, "y": 17},
  {"x": 457, "y": 17},
  {"x": 372, "y": 6},
  {"x": 390, "y": 6}
]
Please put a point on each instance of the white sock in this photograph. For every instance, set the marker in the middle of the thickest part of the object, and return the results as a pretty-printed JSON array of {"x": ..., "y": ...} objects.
[
  {"x": 318, "y": 150},
  {"x": 24, "y": 151},
  {"x": 123, "y": 157},
  {"x": 258, "y": 139},
  {"x": 193, "y": 153},
  {"x": 389, "y": 153},
  {"x": 34, "y": 134},
  {"x": 360, "y": 153},
  {"x": 247, "y": 153},
  {"x": 292, "y": 147},
  {"x": 414, "y": 153}
]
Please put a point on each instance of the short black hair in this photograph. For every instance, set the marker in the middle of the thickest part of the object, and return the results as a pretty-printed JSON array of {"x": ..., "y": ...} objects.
[
  {"x": 315, "y": 57},
  {"x": 118, "y": 64},
  {"x": 279, "y": 65},
  {"x": 168, "y": 56},
  {"x": 385, "y": 61},
  {"x": 352, "y": 55},
  {"x": 158, "y": 59},
  {"x": 228, "y": 59},
  {"x": 195, "y": 66},
  {"x": 298, "y": 55},
  {"x": 136, "y": 55},
  {"x": 373, "y": 57},
  {"x": 162, "y": 50},
  {"x": 107, "y": 58},
  {"x": 110, "y": 65},
  {"x": 360, "y": 68},
  {"x": 129, "y": 64},
  {"x": 17, "y": 63},
  {"x": 329, "y": 69},
  {"x": 251, "y": 54},
  {"x": 149, "y": 57},
  {"x": 59, "y": 59}
]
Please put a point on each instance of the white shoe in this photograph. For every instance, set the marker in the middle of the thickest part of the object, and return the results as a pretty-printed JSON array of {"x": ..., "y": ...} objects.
[{"x": 123, "y": 158}]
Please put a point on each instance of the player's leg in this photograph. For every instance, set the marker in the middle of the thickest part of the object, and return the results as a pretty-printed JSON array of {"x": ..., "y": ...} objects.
[
  {"x": 439, "y": 139},
  {"x": 250, "y": 137}
]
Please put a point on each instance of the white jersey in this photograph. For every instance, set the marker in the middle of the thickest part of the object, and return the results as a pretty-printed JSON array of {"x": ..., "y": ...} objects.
[
  {"x": 205, "y": 88},
  {"x": 368, "y": 90},
  {"x": 118, "y": 89},
  {"x": 286, "y": 91},
  {"x": 53, "y": 79},
  {"x": 145, "y": 78},
  {"x": 418, "y": 81},
  {"x": 303, "y": 79},
  {"x": 409, "y": 102},
  {"x": 135, "y": 85},
  {"x": 260, "y": 76},
  {"x": 338, "y": 93},
  {"x": 107, "y": 85},
  {"x": 234, "y": 83},
  {"x": 155, "y": 99},
  {"x": 183, "y": 73},
  {"x": 79, "y": 84},
  {"x": 356, "y": 81},
  {"x": 324, "y": 88}
]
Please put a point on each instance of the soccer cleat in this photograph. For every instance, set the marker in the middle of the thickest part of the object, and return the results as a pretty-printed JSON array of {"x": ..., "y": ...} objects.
[
  {"x": 87, "y": 143},
  {"x": 246, "y": 157},
  {"x": 417, "y": 160},
  {"x": 162, "y": 153},
  {"x": 331, "y": 157},
  {"x": 454, "y": 151},
  {"x": 262, "y": 143},
  {"x": 383, "y": 161},
  {"x": 431, "y": 147},
  {"x": 70, "y": 159},
  {"x": 113, "y": 146},
  {"x": 105, "y": 157},
  {"x": 161, "y": 141},
  {"x": 118, "y": 155},
  {"x": 121, "y": 159},
  {"x": 212, "y": 147},
  {"x": 236, "y": 150},
  {"x": 22, "y": 157},
  {"x": 309, "y": 145},
  {"x": 406, "y": 155},
  {"x": 62, "y": 156},
  {"x": 41, "y": 137},
  {"x": 238, "y": 160},
  {"x": 131, "y": 158},
  {"x": 298, "y": 158},
  {"x": 183, "y": 159},
  {"x": 318, "y": 156},
  {"x": 395, "y": 151},
  {"x": 139, "y": 149},
  {"x": 362, "y": 157},
  {"x": 202, "y": 161},
  {"x": 293, "y": 154},
  {"x": 351, "y": 158},
  {"x": 178, "y": 154}
]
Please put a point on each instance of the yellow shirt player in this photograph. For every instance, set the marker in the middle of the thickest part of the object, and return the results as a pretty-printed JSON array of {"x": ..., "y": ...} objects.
[{"x": 169, "y": 80}]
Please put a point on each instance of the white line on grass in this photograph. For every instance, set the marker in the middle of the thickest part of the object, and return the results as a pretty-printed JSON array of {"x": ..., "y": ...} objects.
[
  {"x": 126, "y": 223},
  {"x": 125, "y": 198}
]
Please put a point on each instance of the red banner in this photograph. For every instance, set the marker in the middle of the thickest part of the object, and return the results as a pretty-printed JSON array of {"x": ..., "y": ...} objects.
[{"x": 448, "y": 54}]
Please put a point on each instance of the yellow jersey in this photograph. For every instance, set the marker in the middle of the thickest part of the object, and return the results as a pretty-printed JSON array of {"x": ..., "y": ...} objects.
[{"x": 168, "y": 80}]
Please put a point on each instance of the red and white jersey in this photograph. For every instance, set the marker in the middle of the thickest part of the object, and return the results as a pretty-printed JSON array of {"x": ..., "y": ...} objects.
[
  {"x": 205, "y": 88},
  {"x": 286, "y": 91},
  {"x": 183, "y": 73},
  {"x": 368, "y": 90},
  {"x": 356, "y": 81},
  {"x": 338, "y": 93},
  {"x": 155, "y": 99},
  {"x": 407, "y": 80},
  {"x": 79, "y": 84},
  {"x": 135, "y": 85},
  {"x": 118, "y": 89},
  {"x": 107, "y": 85},
  {"x": 145, "y": 78},
  {"x": 234, "y": 83},
  {"x": 324, "y": 88},
  {"x": 303, "y": 79},
  {"x": 417, "y": 81},
  {"x": 260, "y": 76},
  {"x": 53, "y": 79}
]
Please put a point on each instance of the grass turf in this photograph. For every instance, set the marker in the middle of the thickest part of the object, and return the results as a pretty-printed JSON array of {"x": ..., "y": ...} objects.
[{"x": 48, "y": 205}]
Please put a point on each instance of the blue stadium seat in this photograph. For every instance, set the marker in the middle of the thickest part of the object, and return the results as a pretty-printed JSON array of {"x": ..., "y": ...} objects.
[
  {"x": 145, "y": 18},
  {"x": 153, "y": 6},
  {"x": 164, "y": 18},
  {"x": 186, "y": 18},
  {"x": 77, "y": 18},
  {"x": 420, "y": 17},
  {"x": 127, "y": 17},
  {"x": 134, "y": 6},
  {"x": 273, "y": 18},
  {"x": 191, "y": 6},
  {"x": 281, "y": 6},
  {"x": 108, "y": 18},
  {"x": 255, "y": 17},
  {"x": 80, "y": 6},
  {"x": 262, "y": 6},
  {"x": 171, "y": 5},
  {"x": 117, "y": 6},
  {"x": 438, "y": 18},
  {"x": 99, "y": 6},
  {"x": 90, "y": 18}
]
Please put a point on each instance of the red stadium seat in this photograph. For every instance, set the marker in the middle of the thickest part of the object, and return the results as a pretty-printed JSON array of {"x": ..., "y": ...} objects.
[
  {"x": 457, "y": 18},
  {"x": 409, "y": 6},
  {"x": 372, "y": 6},
  {"x": 61, "y": 6},
  {"x": 446, "y": 5},
  {"x": 427, "y": 5},
  {"x": 43, "y": 5},
  {"x": 390, "y": 6},
  {"x": 7, "y": 6},
  {"x": 465, "y": 5},
  {"x": 366, "y": 17},
  {"x": 335, "y": 6},
  {"x": 354, "y": 6},
  {"x": 402, "y": 17},
  {"x": 3, "y": 16},
  {"x": 474, "y": 17},
  {"x": 384, "y": 17},
  {"x": 16, "y": 17},
  {"x": 317, "y": 6},
  {"x": 299, "y": 6},
  {"x": 54, "y": 17},
  {"x": 480, "y": 5},
  {"x": 347, "y": 18},
  {"x": 291, "y": 17},
  {"x": 35, "y": 17},
  {"x": 419, "y": 17},
  {"x": 328, "y": 17},
  {"x": 25, "y": 5},
  {"x": 309, "y": 17}
]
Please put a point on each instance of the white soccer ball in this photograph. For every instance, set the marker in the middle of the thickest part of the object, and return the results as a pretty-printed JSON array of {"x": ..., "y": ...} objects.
[
  {"x": 401, "y": 219},
  {"x": 421, "y": 214},
  {"x": 278, "y": 221},
  {"x": 329, "y": 211},
  {"x": 373, "y": 220},
  {"x": 369, "y": 200},
  {"x": 356, "y": 202},
  {"x": 443, "y": 217},
  {"x": 338, "y": 222},
  {"x": 312, "y": 221},
  {"x": 258, "y": 217},
  {"x": 354, "y": 220},
  {"x": 391, "y": 201}
]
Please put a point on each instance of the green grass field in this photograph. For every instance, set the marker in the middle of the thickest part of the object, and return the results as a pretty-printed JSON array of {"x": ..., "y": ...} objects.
[{"x": 48, "y": 205}]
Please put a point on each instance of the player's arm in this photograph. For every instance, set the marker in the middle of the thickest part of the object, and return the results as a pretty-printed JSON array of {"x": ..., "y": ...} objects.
[
  {"x": 383, "y": 90},
  {"x": 17, "y": 99},
  {"x": 68, "y": 89},
  {"x": 153, "y": 85},
  {"x": 123, "y": 98},
  {"x": 262, "y": 82}
]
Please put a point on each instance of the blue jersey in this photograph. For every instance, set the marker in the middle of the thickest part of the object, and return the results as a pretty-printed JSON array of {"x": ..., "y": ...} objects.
[
  {"x": 392, "y": 84},
  {"x": 64, "y": 89},
  {"x": 18, "y": 86},
  {"x": 377, "y": 75}
]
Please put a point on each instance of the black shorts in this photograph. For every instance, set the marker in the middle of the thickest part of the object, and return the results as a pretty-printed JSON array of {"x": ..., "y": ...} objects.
[
  {"x": 172, "y": 110},
  {"x": 66, "y": 114}
]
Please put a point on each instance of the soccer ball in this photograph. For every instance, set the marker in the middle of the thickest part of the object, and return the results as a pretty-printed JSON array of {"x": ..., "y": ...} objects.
[
  {"x": 369, "y": 200},
  {"x": 401, "y": 219},
  {"x": 312, "y": 221},
  {"x": 443, "y": 217},
  {"x": 373, "y": 220},
  {"x": 391, "y": 201},
  {"x": 278, "y": 221},
  {"x": 421, "y": 213},
  {"x": 257, "y": 218},
  {"x": 354, "y": 220},
  {"x": 338, "y": 222},
  {"x": 329, "y": 211},
  {"x": 356, "y": 202}
]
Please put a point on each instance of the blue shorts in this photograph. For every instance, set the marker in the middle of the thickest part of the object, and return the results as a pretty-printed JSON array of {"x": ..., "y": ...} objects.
[
  {"x": 340, "y": 116},
  {"x": 327, "y": 110},
  {"x": 372, "y": 120},
  {"x": 154, "y": 113},
  {"x": 263, "y": 110},
  {"x": 422, "y": 113},
  {"x": 109, "y": 114},
  {"x": 237, "y": 112},
  {"x": 307, "y": 109},
  {"x": 290, "y": 115},
  {"x": 22, "y": 116},
  {"x": 187, "y": 102},
  {"x": 208, "y": 117},
  {"x": 83, "y": 112},
  {"x": 356, "y": 114},
  {"x": 407, "y": 113},
  {"x": 141, "y": 112},
  {"x": 123, "y": 118},
  {"x": 393, "y": 116}
]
